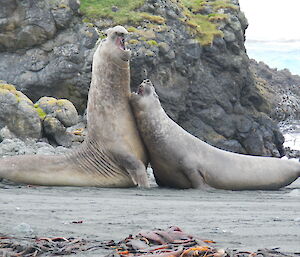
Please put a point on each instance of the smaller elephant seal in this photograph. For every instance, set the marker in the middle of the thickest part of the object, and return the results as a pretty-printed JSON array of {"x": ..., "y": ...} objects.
[{"x": 180, "y": 160}]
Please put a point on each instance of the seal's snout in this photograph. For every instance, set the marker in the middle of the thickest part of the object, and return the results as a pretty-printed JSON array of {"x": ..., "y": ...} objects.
[
  {"x": 145, "y": 88},
  {"x": 147, "y": 82},
  {"x": 117, "y": 34}
]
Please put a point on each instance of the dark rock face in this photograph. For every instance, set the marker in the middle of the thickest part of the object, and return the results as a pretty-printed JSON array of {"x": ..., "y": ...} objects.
[
  {"x": 45, "y": 49},
  {"x": 22, "y": 26},
  {"x": 208, "y": 90}
]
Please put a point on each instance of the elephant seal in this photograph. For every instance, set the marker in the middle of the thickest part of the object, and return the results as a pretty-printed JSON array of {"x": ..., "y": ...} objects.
[
  {"x": 113, "y": 154},
  {"x": 180, "y": 160}
]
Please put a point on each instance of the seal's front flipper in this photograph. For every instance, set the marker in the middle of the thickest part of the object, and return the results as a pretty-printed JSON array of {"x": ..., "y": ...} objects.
[
  {"x": 135, "y": 168},
  {"x": 196, "y": 179}
]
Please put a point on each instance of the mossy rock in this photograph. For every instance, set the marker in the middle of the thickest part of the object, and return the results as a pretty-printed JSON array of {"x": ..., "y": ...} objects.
[
  {"x": 152, "y": 42},
  {"x": 18, "y": 113},
  {"x": 8, "y": 87},
  {"x": 132, "y": 29},
  {"x": 153, "y": 18},
  {"x": 40, "y": 111},
  {"x": 133, "y": 42},
  {"x": 62, "y": 109}
]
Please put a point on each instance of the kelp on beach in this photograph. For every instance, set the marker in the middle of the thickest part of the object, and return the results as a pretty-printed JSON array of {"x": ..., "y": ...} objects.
[{"x": 171, "y": 242}]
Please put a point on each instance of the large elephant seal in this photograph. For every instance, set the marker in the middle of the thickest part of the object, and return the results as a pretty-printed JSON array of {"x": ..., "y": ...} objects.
[
  {"x": 113, "y": 154},
  {"x": 181, "y": 160}
]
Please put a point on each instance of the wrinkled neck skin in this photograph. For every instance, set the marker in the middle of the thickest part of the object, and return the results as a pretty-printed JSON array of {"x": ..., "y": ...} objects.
[
  {"x": 110, "y": 89},
  {"x": 152, "y": 117},
  {"x": 110, "y": 75}
]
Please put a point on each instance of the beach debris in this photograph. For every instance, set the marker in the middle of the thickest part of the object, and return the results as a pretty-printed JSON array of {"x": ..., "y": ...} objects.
[
  {"x": 46, "y": 246},
  {"x": 77, "y": 222},
  {"x": 171, "y": 242}
]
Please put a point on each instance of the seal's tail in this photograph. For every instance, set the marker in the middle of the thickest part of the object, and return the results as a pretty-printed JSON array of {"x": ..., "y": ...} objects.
[{"x": 32, "y": 169}]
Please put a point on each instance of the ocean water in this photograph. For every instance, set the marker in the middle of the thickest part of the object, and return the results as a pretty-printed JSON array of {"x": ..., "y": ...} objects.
[{"x": 276, "y": 54}]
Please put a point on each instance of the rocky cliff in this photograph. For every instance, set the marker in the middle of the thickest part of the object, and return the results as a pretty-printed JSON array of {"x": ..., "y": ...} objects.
[
  {"x": 45, "y": 49},
  {"x": 279, "y": 89},
  {"x": 193, "y": 52}
]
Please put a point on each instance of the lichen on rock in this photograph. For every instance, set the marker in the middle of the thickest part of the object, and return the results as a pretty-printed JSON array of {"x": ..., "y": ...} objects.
[
  {"x": 18, "y": 114},
  {"x": 61, "y": 109}
]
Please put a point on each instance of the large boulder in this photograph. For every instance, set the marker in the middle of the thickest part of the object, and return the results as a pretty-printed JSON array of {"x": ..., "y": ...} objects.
[
  {"x": 18, "y": 114},
  {"x": 61, "y": 109},
  {"x": 59, "y": 114}
]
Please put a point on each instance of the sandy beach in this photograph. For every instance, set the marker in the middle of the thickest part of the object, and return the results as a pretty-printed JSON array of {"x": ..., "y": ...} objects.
[{"x": 246, "y": 220}]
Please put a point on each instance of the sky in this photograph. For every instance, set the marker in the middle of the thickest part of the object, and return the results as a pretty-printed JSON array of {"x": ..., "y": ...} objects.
[
  {"x": 273, "y": 35},
  {"x": 272, "y": 19}
]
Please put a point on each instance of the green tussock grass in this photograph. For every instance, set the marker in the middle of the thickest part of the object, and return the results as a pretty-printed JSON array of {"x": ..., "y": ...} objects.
[
  {"x": 204, "y": 27},
  {"x": 198, "y": 5},
  {"x": 103, "y": 9},
  {"x": 223, "y": 5}
]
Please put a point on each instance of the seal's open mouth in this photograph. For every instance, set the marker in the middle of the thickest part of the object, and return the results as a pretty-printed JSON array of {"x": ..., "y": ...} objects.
[
  {"x": 140, "y": 90},
  {"x": 121, "y": 43}
]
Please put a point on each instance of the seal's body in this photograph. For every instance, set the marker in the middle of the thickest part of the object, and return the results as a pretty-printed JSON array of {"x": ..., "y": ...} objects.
[
  {"x": 113, "y": 154},
  {"x": 181, "y": 160}
]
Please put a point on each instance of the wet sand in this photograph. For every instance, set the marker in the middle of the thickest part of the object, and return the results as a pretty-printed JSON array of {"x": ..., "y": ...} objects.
[{"x": 246, "y": 220}]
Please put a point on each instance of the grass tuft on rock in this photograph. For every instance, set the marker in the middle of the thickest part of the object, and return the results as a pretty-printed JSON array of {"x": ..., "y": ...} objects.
[
  {"x": 119, "y": 11},
  {"x": 202, "y": 18}
]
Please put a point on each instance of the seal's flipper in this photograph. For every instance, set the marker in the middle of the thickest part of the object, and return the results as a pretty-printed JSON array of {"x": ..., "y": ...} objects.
[
  {"x": 135, "y": 168},
  {"x": 196, "y": 179}
]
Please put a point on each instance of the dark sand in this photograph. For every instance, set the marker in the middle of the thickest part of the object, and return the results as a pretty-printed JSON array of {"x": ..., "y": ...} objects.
[{"x": 246, "y": 220}]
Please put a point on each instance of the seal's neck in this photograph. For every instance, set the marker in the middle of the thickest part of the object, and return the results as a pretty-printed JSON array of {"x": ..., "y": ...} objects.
[
  {"x": 110, "y": 76},
  {"x": 155, "y": 120},
  {"x": 108, "y": 94}
]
